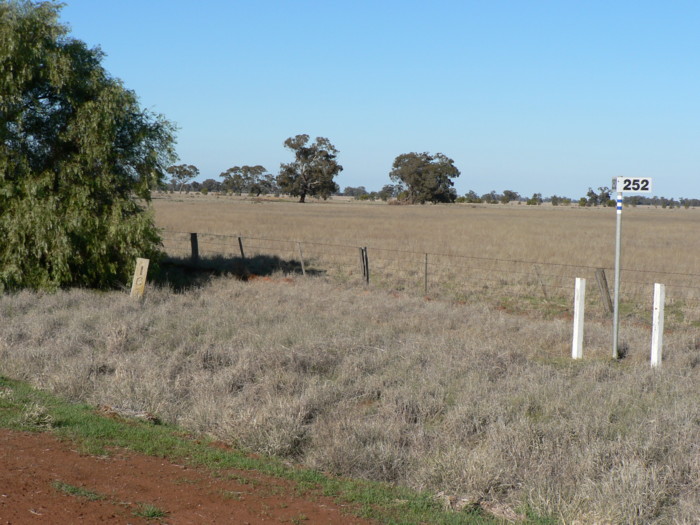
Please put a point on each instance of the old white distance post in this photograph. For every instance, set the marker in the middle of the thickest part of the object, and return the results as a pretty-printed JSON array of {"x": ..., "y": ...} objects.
[{"x": 629, "y": 185}]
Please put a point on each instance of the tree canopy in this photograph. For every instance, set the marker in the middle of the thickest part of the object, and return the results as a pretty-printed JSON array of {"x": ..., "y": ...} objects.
[
  {"x": 181, "y": 174},
  {"x": 313, "y": 169},
  {"x": 427, "y": 178},
  {"x": 76, "y": 151},
  {"x": 250, "y": 179}
]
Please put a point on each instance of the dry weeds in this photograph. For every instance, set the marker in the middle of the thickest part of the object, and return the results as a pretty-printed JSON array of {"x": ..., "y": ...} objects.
[{"x": 480, "y": 405}]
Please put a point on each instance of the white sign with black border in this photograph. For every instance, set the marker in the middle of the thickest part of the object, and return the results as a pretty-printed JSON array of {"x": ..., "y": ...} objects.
[{"x": 632, "y": 184}]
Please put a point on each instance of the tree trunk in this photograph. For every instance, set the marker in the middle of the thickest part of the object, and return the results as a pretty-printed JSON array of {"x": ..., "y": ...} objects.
[{"x": 302, "y": 197}]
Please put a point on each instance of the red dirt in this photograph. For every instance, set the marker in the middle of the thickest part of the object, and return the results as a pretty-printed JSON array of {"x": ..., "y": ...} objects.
[{"x": 33, "y": 465}]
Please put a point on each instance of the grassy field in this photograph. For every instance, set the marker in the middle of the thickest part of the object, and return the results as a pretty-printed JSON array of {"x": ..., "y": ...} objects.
[
  {"x": 477, "y": 404},
  {"x": 518, "y": 257}
]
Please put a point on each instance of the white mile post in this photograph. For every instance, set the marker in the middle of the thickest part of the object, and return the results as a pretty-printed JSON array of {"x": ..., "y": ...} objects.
[
  {"x": 616, "y": 294},
  {"x": 579, "y": 306},
  {"x": 633, "y": 185},
  {"x": 657, "y": 330}
]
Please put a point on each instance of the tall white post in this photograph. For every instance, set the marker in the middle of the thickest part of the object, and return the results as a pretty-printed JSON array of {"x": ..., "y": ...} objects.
[
  {"x": 657, "y": 330},
  {"x": 579, "y": 306},
  {"x": 616, "y": 305}
]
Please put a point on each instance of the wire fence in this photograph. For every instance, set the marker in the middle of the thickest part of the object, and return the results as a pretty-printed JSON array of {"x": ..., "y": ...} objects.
[{"x": 526, "y": 286}]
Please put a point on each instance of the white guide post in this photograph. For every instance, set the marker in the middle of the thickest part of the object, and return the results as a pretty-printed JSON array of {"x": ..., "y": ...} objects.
[
  {"x": 616, "y": 294},
  {"x": 657, "y": 330},
  {"x": 579, "y": 306}
]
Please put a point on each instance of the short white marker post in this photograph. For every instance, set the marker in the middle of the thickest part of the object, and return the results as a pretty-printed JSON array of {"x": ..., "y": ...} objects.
[
  {"x": 579, "y": 307},
  {"x": 657, "y": 329},
  {"x": 139, "y": 283}
]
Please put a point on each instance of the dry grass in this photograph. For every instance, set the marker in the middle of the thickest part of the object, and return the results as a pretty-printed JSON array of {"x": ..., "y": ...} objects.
[
  {"x": 518, "y": 257},
  {"x": 475, "y": 403}
]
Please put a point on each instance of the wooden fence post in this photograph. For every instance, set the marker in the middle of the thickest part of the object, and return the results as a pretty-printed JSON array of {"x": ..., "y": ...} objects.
[
  {"x": 240, "y": 245},
  {"x": 364, "y": 264},
  {"x": 579, "y": 307},
  {"x": 301, "y": 259},
  {"x": 425, "y": 287},
  {"x": 195, "y": 248},
  {"x": 138, "y": 285},
  {"x": 604, "y": 290},
  {"x": 657, "y": 329}
]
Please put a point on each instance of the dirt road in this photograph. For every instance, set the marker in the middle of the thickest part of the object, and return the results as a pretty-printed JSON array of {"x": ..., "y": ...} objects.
[{"x": 43, "y": 480}]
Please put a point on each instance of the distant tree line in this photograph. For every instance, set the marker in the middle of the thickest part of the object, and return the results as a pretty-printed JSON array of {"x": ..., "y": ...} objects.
[{"x": 416, "y": 178}]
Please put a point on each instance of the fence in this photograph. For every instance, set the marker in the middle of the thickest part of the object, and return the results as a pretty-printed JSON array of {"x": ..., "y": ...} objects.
[{"x": 515, "y": 285}]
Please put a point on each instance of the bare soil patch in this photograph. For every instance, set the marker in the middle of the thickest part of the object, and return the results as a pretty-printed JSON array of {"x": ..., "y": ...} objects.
[{"x": 36, "y": 471}]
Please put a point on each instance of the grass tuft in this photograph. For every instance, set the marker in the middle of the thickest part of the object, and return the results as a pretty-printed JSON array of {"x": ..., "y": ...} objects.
[
  {"x": 149, "y": 511},
  {"x": 77, "y": 491}
]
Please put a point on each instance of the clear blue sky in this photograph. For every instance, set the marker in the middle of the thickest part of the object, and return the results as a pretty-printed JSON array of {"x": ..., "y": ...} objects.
[{"x": 531, "y": 96}]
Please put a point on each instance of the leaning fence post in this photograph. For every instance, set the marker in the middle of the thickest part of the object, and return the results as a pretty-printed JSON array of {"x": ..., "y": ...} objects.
[
  {"x": 240, "y": 245},
  {"x": 604, "y": 290},
  {"x": 366, "y": 260},
  {"x": 657, "y": 329},
  {"x": 195, "y": 248},
  {"x": 579, "y": 307}
]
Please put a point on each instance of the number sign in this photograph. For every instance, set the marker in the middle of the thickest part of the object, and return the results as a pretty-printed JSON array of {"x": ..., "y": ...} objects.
[{"x": 633, "y": 184}]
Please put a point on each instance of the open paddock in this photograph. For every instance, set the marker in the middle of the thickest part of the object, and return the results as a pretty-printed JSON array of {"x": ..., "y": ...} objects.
[{"x": 518, "y": 257}]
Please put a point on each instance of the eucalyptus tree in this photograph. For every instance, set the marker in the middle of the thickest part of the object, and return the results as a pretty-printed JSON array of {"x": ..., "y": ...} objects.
[
  {"x": 250, "y": 179},
  {"x": 426, "y": 177},
  {"x": 78, "y": 159},
  {"x": 313, "y": 169},
  {"x": 181, "y": 174}
]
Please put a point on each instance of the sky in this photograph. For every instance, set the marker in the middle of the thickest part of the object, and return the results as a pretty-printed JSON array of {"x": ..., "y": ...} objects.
[{"x": 533, "y": 96}]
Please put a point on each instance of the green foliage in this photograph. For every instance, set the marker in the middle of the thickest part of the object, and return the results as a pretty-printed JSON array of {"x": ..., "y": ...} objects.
[
  {"x": 491, "y": 198},
  {"x": 472, "y": 197},
  {"x": 76, "y": 150},
  {"x": 148, "y": 511},
  {"x": 388, "y": 191},
  {"x": 211, "y": 185},
  {"x": 351, "y": 191},
  {"x": 182, "y": 174},
  {"x": 556, "y": 200},
  {"x": 601, "y": 198},
  {"x": 250, "y": 179},
  {"x": 313, "y": 169},
  {"x": 509, "y": 196},
  {"x": 535, "y": 200},
  {"x": 428, "y": 178}
]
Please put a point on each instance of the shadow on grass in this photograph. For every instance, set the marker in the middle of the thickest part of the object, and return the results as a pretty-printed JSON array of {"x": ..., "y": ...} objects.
[{"x": 182, "y": 273}]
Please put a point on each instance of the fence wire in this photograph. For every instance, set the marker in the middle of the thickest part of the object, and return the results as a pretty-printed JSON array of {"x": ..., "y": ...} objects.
[{"x": 512, "y": 284}]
